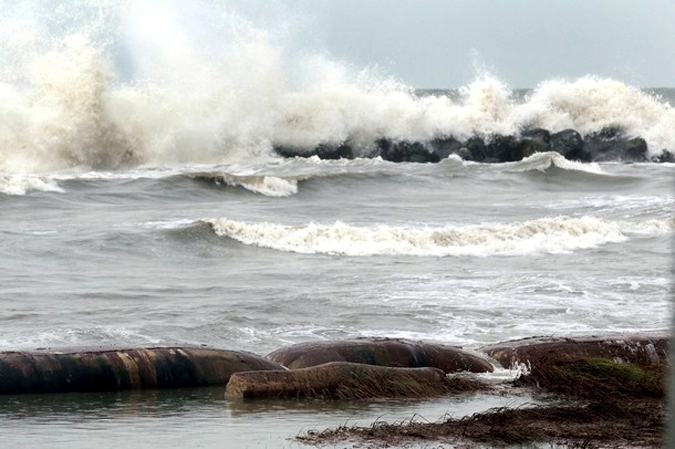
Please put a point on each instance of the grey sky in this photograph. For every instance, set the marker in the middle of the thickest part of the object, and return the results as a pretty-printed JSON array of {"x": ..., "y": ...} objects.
[{"x": 442, "y": 43}]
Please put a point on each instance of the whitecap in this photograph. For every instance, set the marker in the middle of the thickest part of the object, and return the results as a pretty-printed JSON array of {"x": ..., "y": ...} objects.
[
  {"x": 21, "y": 184},
  {"x": 546, "y": 235}
]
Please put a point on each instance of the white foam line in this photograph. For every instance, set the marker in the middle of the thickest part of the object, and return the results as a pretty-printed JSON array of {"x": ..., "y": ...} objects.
[{"x": 548, "y": 235}]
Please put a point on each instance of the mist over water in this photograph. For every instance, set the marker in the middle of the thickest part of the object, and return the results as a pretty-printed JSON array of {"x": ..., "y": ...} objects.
[{"x": 107, "y": 85}]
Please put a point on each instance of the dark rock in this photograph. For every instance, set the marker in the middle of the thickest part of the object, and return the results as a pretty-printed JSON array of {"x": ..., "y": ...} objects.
[
  {"x": 446, "y": 146},
  {"x": 665, "y": 156},
  {"x": 570, "y": 144},
  {"x": 498, "y": 148},
  {"x": 342, "y": 151},
  {"x": 636, "y": 150},
  {"x": 608, "y": 145},
  {"x": 285, "y": 151},
  {"x": 322, "y": 151},
  {"x": 476, "y": 147},
  {"x": 601, "y": 148},
  {"x": 537, "y": 133},
  {"x": 610, "y": 132},
  {"x": 408, "y": 152},
  {"x": 382, "y": 147},
  {"x": 538, "y": 139},
  {"x": 509, "y": 149},
  {"x": 465, "y": 154}
]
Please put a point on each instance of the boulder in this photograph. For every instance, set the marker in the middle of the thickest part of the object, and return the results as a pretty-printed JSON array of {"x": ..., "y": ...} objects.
[
  {"x": 570, "y": 144},
  {"x": 538, "y": 139},
  {"x": 339, "y": 380},
  {"x": 509, "y": 149},
  {"x": 499, "y": 148},
  {"x": 382, "y": 352},
  {"x": 616, "y": 148},
  {"x": 325, "y": 151},
  {"x": 626, "y": 348},
  {"x": 382, "y": 147},
  {"x": 285, "y": 151},
  {"x": 665, "y": 156},
  {"x": 443, "y": 147},
  {"x": 404, "y": 151},
  {"x": 322, "y": 151},
  {"x": 475, "y": 146},
  {"x": 49, "y": 371}
]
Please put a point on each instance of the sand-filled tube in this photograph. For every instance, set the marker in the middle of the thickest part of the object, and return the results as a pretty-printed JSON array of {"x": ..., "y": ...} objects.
[
  {"x": 621, "y": 347},
  {"x": 47, "y": 371},
  {"x": 383, "y": 352},
  {"x": 339, "y": 380}
]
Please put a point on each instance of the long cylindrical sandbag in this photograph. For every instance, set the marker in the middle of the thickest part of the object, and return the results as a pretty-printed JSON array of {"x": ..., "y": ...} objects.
[
  {"x": 624, "y": 347},
  {"x": 339, "y": 380},
  {"x": 122, "y": 369},
  {"x": 383, "y": 352}
]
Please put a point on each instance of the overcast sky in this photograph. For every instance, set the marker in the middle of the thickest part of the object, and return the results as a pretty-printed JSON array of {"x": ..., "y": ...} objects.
[{"x": 444, "y": 43}]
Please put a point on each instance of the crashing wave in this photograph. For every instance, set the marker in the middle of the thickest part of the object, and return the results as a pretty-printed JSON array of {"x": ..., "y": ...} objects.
[{"x": 107, "y": 91}]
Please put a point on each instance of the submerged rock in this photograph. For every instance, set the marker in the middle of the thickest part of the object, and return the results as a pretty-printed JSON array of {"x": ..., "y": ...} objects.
[
  {"x": 383, "y": 352},
  {"x": 122, "y": 369}
]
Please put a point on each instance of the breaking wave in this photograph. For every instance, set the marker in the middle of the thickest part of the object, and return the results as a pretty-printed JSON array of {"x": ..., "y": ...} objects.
[
  {"x": 544, "y": 161},
  {"x": 120, "y": 84},
  {"x": 21, "y": 184},
  {"x": 546, "y": 235},
  {"x": 272, "y": 186}
]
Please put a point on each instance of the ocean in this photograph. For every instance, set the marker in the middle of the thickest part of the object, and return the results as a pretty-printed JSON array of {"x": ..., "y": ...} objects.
[{"x": 143, "y": 204}]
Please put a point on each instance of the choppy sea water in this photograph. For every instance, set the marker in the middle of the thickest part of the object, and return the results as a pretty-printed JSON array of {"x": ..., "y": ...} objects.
[
  {"x": 459, "y": 253},
  {"x": 142, "y": 204},
  {"x": 463, "y": 253}
]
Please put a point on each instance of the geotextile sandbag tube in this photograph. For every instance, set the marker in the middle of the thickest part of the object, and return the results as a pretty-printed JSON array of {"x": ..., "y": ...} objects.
[
  {"x": 52, "y": 371},
  {"x": 383, "y": 352},
  {"x": 339, "y": 380},
  {"x": 630, "y": 348}
]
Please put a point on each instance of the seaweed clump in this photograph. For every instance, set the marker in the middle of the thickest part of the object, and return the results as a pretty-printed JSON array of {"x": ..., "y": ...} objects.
[
  {"x": 598, "y": 379},
  {"x": 592, "y": 403}
]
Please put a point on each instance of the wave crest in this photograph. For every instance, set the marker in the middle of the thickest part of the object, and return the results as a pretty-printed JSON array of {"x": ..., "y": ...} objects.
[
  {"x": 545, "y": 235},
  {"x": 22, "y": 184},
  {"x": 544, "y": 161},
  {"x": 272, "y": 186}
]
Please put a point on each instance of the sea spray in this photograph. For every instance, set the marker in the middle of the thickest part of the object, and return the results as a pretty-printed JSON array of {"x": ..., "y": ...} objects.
[{"x": 112, "y": 85}]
